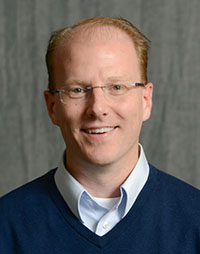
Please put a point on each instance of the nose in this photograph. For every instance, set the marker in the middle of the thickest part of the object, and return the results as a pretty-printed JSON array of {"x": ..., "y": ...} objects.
[{"x": 97, "y": 104}]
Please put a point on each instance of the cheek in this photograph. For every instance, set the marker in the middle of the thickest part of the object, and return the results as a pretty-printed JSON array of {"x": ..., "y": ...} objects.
[
  {"x": 69, "y": 116},
  {"x": 131, "y": 109}
]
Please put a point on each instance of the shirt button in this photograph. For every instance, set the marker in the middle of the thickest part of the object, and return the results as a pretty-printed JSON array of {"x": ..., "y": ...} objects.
[{"x": 105, "y": 225}]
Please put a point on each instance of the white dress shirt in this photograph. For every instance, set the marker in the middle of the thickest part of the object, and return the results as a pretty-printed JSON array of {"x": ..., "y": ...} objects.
[{"x": 100, "y": 215}]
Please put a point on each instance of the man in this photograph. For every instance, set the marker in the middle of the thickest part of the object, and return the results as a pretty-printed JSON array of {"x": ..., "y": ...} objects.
[{"x": 104, "y": 197}]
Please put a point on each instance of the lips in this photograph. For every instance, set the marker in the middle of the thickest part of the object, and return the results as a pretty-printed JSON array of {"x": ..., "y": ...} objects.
[{"x": 99, "y": 130}]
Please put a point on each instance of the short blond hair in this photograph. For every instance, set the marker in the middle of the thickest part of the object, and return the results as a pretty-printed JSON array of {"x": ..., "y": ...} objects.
[{"x": 141, "y": 42}]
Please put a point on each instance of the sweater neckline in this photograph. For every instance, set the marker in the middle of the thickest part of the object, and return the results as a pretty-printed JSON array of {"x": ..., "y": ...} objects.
[{"x": 119, "y": 231}]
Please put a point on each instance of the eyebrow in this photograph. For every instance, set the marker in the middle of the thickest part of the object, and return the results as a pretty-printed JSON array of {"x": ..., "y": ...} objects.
[
  {"x": 118, "y": 79},
  {"x": 84, "y": 83},
  {"x": 76, "y": 82}
]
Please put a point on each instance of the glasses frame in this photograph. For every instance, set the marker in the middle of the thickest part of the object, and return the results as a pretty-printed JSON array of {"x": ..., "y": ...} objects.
[{"x": 90, "y": 88}]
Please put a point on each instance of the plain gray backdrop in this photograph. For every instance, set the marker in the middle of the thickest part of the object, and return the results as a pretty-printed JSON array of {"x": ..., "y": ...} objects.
[{"x": 31, "y": 145}]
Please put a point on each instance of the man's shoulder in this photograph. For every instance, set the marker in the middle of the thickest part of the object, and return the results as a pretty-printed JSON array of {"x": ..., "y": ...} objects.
[
  {"x": 175, "y": 193},
  {"x": 172, "y": 182},
  {"x": 29, "y": 192}
]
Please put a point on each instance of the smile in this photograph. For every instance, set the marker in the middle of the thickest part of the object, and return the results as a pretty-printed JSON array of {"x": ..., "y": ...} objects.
[{"x": 99, "y": 130}]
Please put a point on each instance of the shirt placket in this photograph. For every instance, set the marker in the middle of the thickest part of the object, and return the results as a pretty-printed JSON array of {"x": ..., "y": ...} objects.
[{"x": 107, "y": 222}]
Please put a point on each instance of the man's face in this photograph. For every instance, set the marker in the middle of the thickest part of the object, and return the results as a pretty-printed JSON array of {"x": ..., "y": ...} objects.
[{"x": 100, "y": 129}]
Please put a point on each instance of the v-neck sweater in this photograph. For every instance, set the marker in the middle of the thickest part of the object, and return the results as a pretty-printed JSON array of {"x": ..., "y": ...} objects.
[{"x": 164, "y": 219}]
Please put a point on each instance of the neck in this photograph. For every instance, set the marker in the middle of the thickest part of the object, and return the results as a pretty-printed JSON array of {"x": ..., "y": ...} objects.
[{"x": 101, "y": 181}]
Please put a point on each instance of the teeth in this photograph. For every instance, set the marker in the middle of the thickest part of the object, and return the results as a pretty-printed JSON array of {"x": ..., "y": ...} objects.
[{"x": 101, "y": 130}]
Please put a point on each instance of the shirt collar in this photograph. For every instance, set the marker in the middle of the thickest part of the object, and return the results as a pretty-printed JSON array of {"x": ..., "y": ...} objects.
[
  {"x": 136, "y": 180},
  {"x": 71, "y": 190}
]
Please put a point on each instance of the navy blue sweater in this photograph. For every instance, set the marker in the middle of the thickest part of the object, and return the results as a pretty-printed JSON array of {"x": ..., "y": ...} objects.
[{"x": 164, "y": 219}]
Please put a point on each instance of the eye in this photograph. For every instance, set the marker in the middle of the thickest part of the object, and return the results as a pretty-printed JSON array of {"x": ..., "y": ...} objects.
[
  {"x": 77, "y": 90},
  {"x": 116, "y": 87}
]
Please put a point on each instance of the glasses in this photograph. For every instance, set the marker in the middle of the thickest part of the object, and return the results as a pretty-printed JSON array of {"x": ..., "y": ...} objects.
[{"x": 78, "y": 91}]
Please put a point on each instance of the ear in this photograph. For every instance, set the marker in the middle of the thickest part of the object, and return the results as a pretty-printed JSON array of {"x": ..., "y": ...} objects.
[
  {"x": 51, "y": 106},
  {"x": 147, "y": 97}
]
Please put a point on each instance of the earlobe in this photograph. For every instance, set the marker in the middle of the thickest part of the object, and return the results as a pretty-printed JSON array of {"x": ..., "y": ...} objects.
[
  {"x": 50, "y": 103},
  {"x": 148, "y": 92}
]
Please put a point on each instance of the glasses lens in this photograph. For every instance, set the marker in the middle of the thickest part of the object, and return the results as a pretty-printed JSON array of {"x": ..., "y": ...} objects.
[
  {"x": 63, "y": 95},
  {"x": 116, "y": 89}
]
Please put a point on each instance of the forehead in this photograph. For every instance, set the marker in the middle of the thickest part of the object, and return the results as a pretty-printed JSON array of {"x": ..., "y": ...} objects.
[
  {"x": 103, "y": 50},
  {"x": 92, "y": 35}
]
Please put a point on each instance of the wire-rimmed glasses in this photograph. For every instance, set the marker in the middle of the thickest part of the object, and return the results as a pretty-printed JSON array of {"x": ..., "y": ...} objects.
[{"x": 79, "y": 91}]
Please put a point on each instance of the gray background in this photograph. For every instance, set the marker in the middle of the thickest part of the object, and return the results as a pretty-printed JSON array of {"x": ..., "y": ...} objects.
[{"x": 31, "y": 145}]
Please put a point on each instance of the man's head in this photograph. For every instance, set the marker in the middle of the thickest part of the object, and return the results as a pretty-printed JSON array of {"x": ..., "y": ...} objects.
[
  {"x": 141, "y": 42},
  {"x": 100, "y": 126}
]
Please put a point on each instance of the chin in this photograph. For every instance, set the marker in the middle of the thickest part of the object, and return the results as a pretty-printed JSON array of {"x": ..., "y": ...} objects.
[{"x": 100, "y": 159}]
